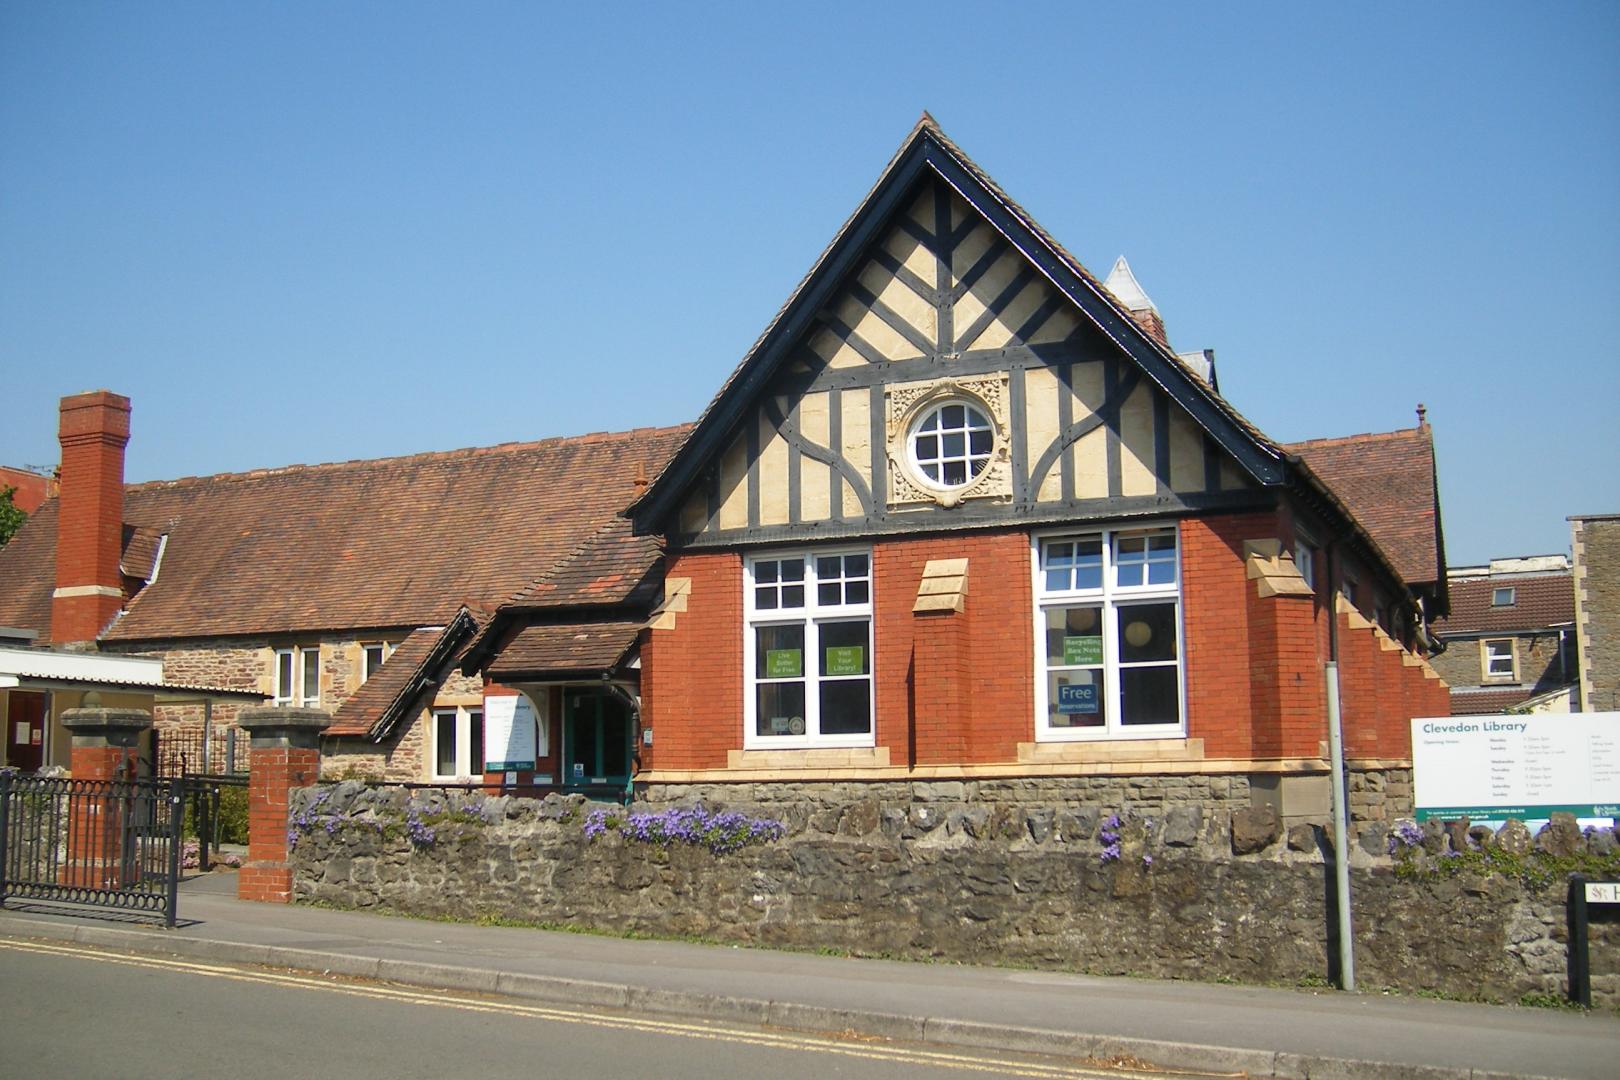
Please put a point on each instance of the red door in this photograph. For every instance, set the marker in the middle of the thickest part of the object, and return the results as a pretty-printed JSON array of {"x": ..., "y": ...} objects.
[{"x": 25, "y": 731}]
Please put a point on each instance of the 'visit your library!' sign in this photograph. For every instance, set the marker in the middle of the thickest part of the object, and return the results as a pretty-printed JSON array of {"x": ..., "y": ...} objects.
[{"x": 1527, "y": 767}]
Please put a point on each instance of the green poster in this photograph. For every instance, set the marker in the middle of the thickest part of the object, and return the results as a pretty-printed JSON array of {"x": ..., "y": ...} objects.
[
  {"x": 784, "y": 663},
  {"x": 1082, "y": 650},
  {"x": 845, "y": 660}
]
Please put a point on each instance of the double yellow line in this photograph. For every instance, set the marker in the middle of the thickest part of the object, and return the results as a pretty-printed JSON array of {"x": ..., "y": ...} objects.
[{"x": 875, "y": 1051}]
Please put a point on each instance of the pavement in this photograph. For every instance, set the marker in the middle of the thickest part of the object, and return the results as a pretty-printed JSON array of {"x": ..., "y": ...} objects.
[{"x": 1197, "y": 1027}]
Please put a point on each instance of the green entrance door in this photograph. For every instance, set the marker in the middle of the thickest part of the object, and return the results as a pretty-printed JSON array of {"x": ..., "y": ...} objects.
[{"x": 596, "y": 738}]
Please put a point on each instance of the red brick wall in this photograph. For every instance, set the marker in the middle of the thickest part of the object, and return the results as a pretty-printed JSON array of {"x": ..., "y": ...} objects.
[
  {"x": 955, "y": 688},
  {"x": 1254, "y": 664},
  {"x": 275, "y": 771},
  {"x": 691, "y": 676},
  {"x": 959, "y": 688},
  {"x": 975, "y": 702}
]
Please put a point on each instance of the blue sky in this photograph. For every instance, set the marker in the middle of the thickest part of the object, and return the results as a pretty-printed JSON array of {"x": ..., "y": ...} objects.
[{"x": 312, "y": 232}]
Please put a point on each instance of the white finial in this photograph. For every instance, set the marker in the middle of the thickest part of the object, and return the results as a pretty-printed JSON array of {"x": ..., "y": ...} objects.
[{"x": 1123, "y": 284}]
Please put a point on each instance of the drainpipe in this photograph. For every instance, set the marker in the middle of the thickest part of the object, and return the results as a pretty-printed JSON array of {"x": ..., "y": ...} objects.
[{"x": 1341, "y": 809}]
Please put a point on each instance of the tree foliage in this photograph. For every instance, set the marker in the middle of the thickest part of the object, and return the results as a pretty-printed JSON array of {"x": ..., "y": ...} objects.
[{"x": 11, "y": 517}]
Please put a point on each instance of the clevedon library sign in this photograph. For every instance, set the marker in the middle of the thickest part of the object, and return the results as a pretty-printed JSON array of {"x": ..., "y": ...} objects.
[{"x": 1527, "y": 767}]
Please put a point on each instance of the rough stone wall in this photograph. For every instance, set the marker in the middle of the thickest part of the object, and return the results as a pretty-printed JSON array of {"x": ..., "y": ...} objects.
[
  {"x": 1597, "y": 610},
  {"x": 1378, "y": 796},
  {"x": 1166, "y": 896},
  {"x": 403, "y": 757},
  {"x": 1463, "y": 663}
]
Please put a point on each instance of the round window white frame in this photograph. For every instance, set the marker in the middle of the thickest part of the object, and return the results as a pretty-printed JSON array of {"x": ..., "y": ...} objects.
[{"x": 976, "y": 418}]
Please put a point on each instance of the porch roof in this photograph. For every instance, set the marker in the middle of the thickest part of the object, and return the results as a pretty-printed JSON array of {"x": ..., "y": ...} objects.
[{"x": 551, "y": 650}]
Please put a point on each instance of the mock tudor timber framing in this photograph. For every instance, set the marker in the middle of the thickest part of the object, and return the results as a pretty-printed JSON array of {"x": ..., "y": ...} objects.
[{"x": 728, "y": 443}]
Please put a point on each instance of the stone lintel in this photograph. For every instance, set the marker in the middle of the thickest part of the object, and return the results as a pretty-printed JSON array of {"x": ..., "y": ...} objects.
[
  {"x": 106, "y": 727},
  {"x": 271, "y": 726}
]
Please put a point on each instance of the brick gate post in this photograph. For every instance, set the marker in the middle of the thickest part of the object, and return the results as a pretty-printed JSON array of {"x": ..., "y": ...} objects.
[
  {"x": 284, "y": 753},
  {"x": 105, "y": 745}
]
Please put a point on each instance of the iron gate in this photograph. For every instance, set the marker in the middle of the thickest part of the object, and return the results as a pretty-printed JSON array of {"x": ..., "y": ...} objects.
[{"x": 103, "y": 843}]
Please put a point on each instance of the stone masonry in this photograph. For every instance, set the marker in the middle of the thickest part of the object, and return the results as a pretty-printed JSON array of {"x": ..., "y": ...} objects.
[
  {"x": 1186, "y": 893},
  {"x": 1596, "y": 543}
]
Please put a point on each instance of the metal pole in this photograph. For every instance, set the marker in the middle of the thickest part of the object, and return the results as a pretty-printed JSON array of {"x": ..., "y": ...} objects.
[
  {"x": 1580, "y": 956},
  {"x": 171, "y": 901},
  {"x": 5, "y": 833},
  {"x": 1341, "y": 831}
]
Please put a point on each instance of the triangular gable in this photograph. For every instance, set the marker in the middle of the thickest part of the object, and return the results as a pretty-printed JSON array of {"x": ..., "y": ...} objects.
[{"x": 896, "y": 314}]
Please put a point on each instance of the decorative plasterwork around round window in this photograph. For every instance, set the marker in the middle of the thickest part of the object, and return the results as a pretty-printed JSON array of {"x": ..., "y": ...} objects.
[{"x": 917, "y": 480}]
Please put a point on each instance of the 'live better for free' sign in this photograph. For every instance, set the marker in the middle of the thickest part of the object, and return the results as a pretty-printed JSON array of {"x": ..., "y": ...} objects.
[{"x": 1527, "y": 767}]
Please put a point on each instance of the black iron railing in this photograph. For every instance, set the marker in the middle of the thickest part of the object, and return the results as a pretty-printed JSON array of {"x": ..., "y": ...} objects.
[{"x": 102, "y": 843}]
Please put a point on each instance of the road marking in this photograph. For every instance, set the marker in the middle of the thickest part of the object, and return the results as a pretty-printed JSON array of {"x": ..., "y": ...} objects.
[{"x": 559, "y": 1014}]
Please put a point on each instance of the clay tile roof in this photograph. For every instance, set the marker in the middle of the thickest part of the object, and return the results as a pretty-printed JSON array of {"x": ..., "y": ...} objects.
[
  {"x": 140, "y": 552},
  {"x": 612, "y": 567},
  {"x": 1539, "y": 601},
  {"x": 1469, "y": 701},
  {"x": 558, "y": 648},
  {"x": 390, "y": 542},
  {"x": 364, "y": 709},
  {"x": 1387, "y": 481}
]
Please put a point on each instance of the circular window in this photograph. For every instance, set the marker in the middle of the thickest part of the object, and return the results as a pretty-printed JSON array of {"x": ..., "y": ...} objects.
[{"x": 951, "y": 444}]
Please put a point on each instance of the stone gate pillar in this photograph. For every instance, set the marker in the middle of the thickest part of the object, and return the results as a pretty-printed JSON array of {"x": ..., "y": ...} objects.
[
  {"x": 105, "y": 745},
  {"x": 284, "y": 753}
]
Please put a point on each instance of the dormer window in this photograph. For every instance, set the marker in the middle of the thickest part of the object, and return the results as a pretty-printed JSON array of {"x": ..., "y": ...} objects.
[{"x": 1503, "y": 597}]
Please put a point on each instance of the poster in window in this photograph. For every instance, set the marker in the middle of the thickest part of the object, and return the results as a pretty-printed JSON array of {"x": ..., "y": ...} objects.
[
  {"x": 845, "y": 660},
  {"x": 784, "y": 663},
  {"x": 1077, "y": 698},
  {"x": 510, "y": 734},
  {"x": 1083, "y": 650}
]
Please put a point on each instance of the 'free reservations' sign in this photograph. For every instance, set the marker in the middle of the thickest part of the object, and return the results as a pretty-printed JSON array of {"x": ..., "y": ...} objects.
[{"x": 1496, "y": 767}]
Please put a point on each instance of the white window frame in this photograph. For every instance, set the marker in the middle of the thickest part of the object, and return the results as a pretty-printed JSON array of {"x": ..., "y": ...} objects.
[
  {"x": 939, "y": 460},
  {"x": 302, "y": 662},
  {"x": 1110, "y": 597},
  {"x": 463, "y": 717},
  {"x": 1486, "y": 658},
  {"x": 1499, "y": 590},
  {"x": 366, "y": 670},
  {"x": 810, "y": 616},
  {"x": 1305, "y": 561}
]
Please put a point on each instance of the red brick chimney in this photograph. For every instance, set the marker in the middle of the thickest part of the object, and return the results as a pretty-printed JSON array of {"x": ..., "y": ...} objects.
[{"x": 90, "y": 515}]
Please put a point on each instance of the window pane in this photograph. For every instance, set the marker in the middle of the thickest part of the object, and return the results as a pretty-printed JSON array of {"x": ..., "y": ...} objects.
[
  {"x": 374, "y": 659},
  {"x": 856, "y": 592},
  {"x": 444, "y": 755},
  {"x": 953, "y": 473},
  {"x": 284, "y": 675},
  {"x": 1075, "y": 699},
  {"x": 952, "y": 416},
  {"x": 954, "y": 444},
  {"x": 1074, "y": 636},
  {"x": 980, "y": 443},
  {"x": 793, "y": 595},
  {"x": 779, "y": 652},
  {"x": 780, "y": 709},
  {"x": 765, "y": 572},
  {"x": 792, "y": 569},
  {"x": 1147, "y": 632},
  {"x": 855, "y": 566},
  {"x": 1149, "y": 695},
  {"x": 475, "y": 728},
  {"x": 830, "y": 566},
  {"x": 312, "y": 676},
  {"x": 765, "y": 598},
  {"x": 829, "y": 593},
  {"x": 846, "y": 707},
  {"x": 844, "y": 650}
]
